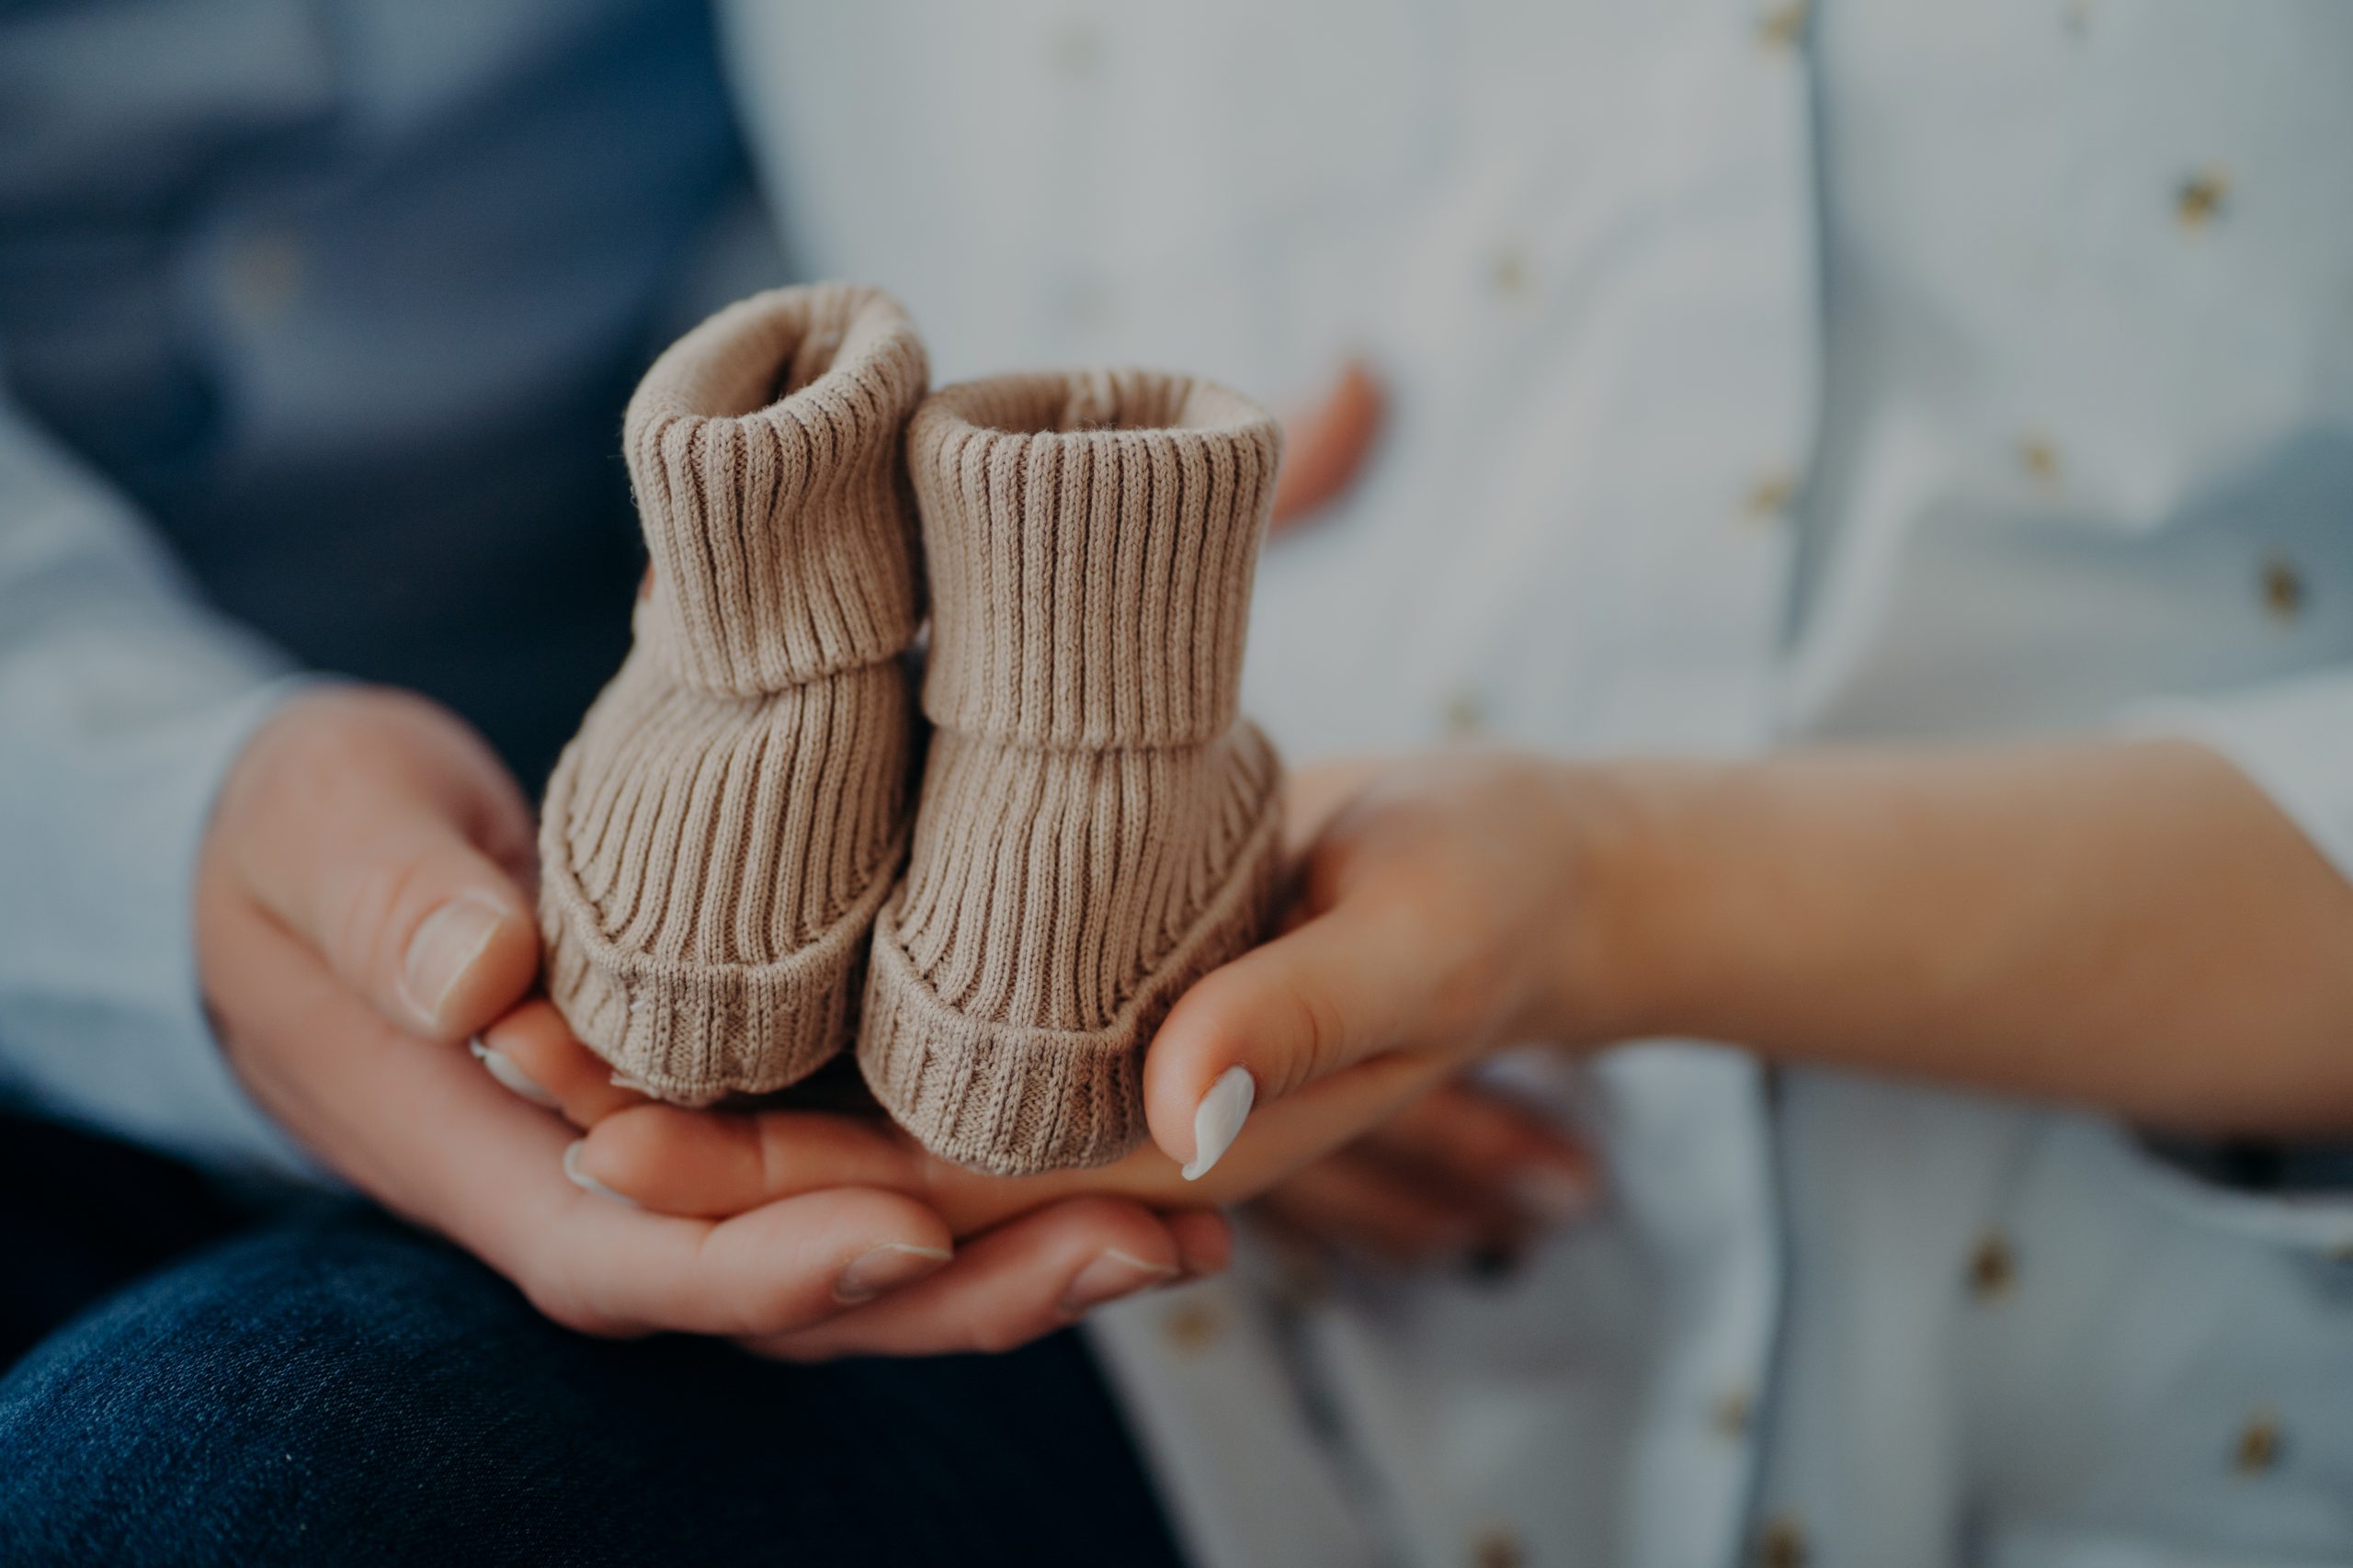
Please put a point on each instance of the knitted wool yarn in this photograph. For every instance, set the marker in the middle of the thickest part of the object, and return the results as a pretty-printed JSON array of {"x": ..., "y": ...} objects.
[
  {"x": 1097, "y": 828},
  {"x": 716, "y": 840}
]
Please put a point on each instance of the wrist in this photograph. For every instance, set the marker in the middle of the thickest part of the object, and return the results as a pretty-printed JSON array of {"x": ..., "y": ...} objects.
[{"x": 1629, "y": 900}]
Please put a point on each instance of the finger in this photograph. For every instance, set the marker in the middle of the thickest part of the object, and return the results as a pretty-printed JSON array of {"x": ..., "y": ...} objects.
[
  {"x": 1329, "y": 995},
  {"x": 1458, "y": 1140},
  {"x": 1324, "y": 448},
  {"x": 435, "y": 1138},
  {"x": 534, "y": 1052},
  {"x": 781, "y": 1267},
  {"x": 1204, "y": 1241},
  {"x": 704, "y": 1162},
  {"x": 1358, "y": 1204},
  {"x": 1022, "y": 1280},
  {"x": 369, "y": 824}
]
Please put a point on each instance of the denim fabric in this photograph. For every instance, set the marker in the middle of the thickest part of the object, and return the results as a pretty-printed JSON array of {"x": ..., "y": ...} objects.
[{"x": 335, "y": 1387}]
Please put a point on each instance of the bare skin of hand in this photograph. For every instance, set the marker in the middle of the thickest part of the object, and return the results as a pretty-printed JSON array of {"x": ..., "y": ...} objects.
[
  {"x": 362, "y": 909},
  {"x": 2130, "y": 926},
  {"x": 1394, "y": 1165}
]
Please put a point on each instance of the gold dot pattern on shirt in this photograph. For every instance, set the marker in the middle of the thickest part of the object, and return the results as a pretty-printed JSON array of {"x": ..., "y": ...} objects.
[
  {"x": 2040, "y": 458},
  {"x": 1733, "y": 1411},
  {"x": 1497, "y": 1548},
  {"x": 1769, "y": 497},
  {"x": 1192, "y": 1327},
  {"x": 1781, "y": 1544},
  {"x": 2201, "y": 198},
  {"x": 2079, "y": 15},
  {"x": 1782, "y": 26},
  {"x": 2258, "y": 1446},
  {"x": 2283, "y": 589},
  {"x": 1511, "y": 274},
  {"x": 1992, "y": 1268}
]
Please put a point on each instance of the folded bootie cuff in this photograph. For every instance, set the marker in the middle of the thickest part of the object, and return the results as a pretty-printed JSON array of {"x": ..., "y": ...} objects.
[
  {"x": 1091, "y": 538},
  {"x": 717, "y": 839},
  {"x": 1097, "y": 829},
  {"x": 763, "y": 447}
]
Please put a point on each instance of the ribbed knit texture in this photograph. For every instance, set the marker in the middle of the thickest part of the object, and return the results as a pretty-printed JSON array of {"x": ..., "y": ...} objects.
[
  {"x": 1097, "y": 829},
  {"x": 716, "y": 840}
]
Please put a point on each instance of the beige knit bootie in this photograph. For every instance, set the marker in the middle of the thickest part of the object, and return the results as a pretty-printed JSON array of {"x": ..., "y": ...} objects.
[
  {"x": 718, "y": 837},
  {"x": 1097, "y": 829}
]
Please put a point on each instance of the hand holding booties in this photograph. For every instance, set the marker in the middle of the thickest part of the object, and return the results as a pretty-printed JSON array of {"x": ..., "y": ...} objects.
[{"x": 1097, "y": 828}]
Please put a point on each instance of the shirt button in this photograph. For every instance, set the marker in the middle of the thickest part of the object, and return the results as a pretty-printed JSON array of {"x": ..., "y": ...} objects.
[
  {"x": 2199, "y": 198},
  {"x": 2283, "y": 589},
  {"x": 1497, "y": 1548},
  {"x": 1191, "y": 1327},
  {"x": 1464, "y": 716},
  {"x": 1781, "y": 1544},
  {"x": 1993, "y": 1269},
  {"x": 2257, "y": 1449}
]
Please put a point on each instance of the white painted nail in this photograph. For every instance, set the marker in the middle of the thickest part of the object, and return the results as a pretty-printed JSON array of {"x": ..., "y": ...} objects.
[
  {"x": 581, "y": 1179},
  {"x": 1218, "y": 1118},
  {"x": 502, "y": 1067}
]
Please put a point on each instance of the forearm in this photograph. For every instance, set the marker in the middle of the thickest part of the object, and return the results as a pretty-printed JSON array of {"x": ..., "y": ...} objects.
[{"x": 2130, "y": 924}]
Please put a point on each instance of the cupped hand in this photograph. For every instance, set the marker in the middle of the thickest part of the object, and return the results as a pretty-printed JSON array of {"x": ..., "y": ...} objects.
[
  {"x": 1388, "y": 1159},
  {"x": 362, "y": 910}
]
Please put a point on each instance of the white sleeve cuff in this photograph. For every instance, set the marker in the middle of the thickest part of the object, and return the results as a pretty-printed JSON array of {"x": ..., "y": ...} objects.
[{"x": 102, "y": 1020}]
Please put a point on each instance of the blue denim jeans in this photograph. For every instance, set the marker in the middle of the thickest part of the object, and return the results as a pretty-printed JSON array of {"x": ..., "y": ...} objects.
[{"x": 333, "y": 1386}]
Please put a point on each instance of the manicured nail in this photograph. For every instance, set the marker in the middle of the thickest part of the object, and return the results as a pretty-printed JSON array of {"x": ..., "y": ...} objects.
[
  {"x": 444, "y": 949},
  {"x": 1553, "y": 1194},
  {"x": 502, "y": 1067},
  {"x": 1219, "y": 1118},
  {"x": 581, "y": 1179},
  {"x": 1113, "y": 1274},
  {"x": 887, "y": 1268}
]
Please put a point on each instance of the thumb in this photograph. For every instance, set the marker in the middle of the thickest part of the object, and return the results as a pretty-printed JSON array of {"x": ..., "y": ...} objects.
[
  {"x": 384, "y": 833},
  {"x": 1328, "y": 994}
]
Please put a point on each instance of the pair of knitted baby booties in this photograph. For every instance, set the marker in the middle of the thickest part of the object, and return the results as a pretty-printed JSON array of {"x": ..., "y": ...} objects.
[{"x": 740, "y": 877}]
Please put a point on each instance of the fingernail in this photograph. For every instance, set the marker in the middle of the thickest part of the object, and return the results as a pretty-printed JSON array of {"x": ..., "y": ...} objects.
[
  {"x": 1553, "y": 1194},
  {"x": 1218, "y": 1118},
  {"x": 887, "y": 1268},
  {"x": 502, "y": 1067},
  {"x": 581, "y": 1179},
  {"x": 444, "y": 949},
  {"x": 1113, "y": 1274}
]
